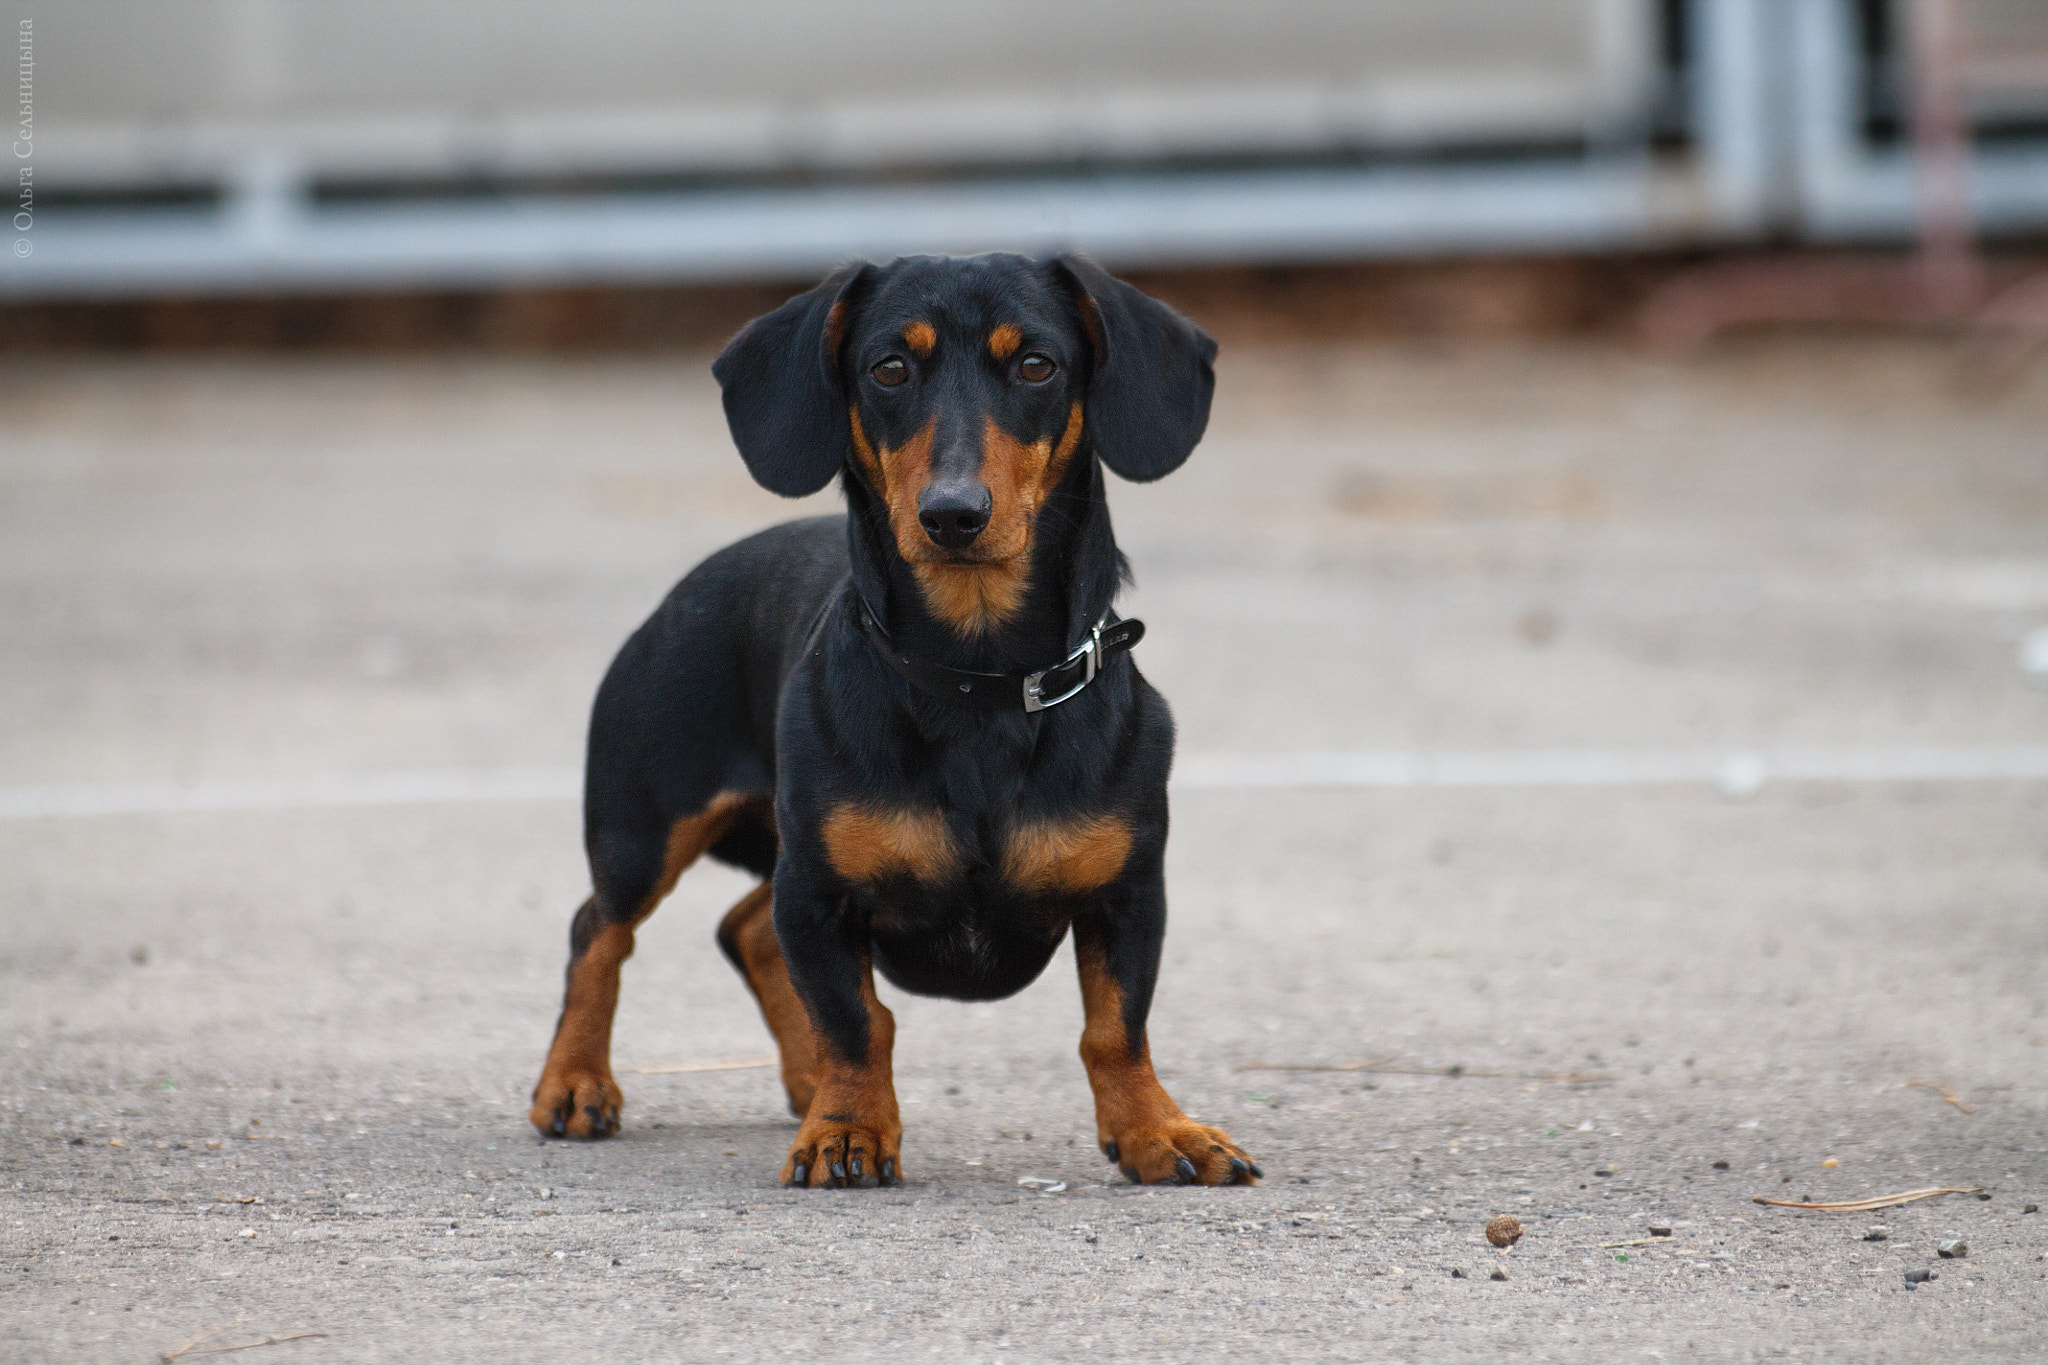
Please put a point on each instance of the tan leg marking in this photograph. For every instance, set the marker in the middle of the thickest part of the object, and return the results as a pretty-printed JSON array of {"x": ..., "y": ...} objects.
[
  {"x": 1136, "y": 1122},
  {"x": 576, "y": 1095},
  {"x": 748, "y": 935},
  {"x": 853, "y": 1133}
]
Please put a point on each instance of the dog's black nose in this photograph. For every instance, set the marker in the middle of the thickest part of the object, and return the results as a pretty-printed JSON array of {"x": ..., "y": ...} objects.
[{"x": 953, "y": 514}]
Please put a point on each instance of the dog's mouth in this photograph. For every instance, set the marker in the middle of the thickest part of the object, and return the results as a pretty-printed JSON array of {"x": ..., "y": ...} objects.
[
  {"x": 990, "y": 551},
  {"x": 938, "y": 558}
]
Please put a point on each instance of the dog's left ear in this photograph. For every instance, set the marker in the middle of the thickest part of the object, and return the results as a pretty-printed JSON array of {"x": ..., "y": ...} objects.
[
  {"x": 1148, "y": 394},
  {"x": 784, "y": 400}
]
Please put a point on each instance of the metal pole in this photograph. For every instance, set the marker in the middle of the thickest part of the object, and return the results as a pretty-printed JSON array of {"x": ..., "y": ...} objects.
[{"x": 1941, "y": 155}]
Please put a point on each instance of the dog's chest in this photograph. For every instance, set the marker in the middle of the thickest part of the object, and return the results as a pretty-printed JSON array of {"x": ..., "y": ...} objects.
[{"x": 872, "y": 846}]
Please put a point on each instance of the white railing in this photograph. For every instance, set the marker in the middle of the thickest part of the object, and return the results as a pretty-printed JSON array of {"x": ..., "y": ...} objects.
[{"x": 1773, "y": 116}]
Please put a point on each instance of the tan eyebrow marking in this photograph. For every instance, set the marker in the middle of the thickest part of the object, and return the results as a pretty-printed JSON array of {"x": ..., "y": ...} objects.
[
  {"x": 1004, "y": 341},
  {"x": 920, "y": 338}
]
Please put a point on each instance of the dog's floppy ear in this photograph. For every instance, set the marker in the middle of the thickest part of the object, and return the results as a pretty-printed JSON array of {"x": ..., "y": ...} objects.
[
  {"x": 784, "y": 401},
  {"x": 1148, "y": 396}
]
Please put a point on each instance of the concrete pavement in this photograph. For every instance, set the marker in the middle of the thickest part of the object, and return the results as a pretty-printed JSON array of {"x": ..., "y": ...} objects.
[{"x": 267, "y": 1067}]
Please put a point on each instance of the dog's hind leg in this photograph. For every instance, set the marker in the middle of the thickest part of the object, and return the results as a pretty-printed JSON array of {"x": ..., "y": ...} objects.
[
  {"x": 576, "y": 1095},
  {"x": 747, "y": 934}
]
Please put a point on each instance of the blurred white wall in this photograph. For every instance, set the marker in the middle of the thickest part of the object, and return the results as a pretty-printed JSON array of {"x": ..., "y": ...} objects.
[
  {"x": 217, "y": 146},
  {"x": 141, "y": 91}
]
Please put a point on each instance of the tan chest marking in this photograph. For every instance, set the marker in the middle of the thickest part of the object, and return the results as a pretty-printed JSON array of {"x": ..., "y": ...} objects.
[
  {"x": 865, "y": 844},
  {"x": 1067, "y": 855}
]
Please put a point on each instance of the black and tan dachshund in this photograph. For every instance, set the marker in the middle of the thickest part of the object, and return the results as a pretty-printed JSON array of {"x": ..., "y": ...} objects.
[{"x": 920, "y": 719}]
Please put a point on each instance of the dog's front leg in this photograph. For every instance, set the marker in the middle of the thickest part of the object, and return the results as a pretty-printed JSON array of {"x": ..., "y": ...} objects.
[
  {"x": 1137, "y": 1123},
  {"x": 852, "y": 1134}
]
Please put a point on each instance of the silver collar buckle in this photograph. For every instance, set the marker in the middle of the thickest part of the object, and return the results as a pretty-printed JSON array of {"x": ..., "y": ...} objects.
[{"x": 1034, "y": 683}]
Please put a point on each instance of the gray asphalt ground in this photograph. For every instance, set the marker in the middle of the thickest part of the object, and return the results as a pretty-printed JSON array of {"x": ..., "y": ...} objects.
[{"x": 266, "y": 1070}]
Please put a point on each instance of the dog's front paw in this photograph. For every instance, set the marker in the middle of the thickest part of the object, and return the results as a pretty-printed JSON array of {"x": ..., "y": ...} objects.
[
  {"x": 1179, "y": 1151},
  {"x": 840, "y": 1151},
  {"x": 576, "y": 1101}
]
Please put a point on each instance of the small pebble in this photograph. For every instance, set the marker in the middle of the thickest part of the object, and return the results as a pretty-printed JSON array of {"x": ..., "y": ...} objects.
[
  {"x": 1457, "y": 1274},
  {"x": 1877, "y": 1234},
  {"x": 1720, "y": 1165},
  {"x": 1504, "y": 1231},
  {"x": 1915, "y": 1278},
  {"x": 1498, "y": 1275},
  {"x": 1660, "y": 1232},
  {"x": 2031, "y": 1208},
  {"x": 1603, "y": 1170},
  {"x": 1954, "y": 1249},
  {"x": 1829, "y": 1164}
]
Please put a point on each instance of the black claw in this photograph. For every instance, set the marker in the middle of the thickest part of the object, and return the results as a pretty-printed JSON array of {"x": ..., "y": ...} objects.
[
  {"x": 1109, "y": 1150},
  {"x": 1183, "y": 1171},
  {"x": 839, "y": 1170},
  {"x": 888, "y": 1170},
  {"x": 856, "y": 1166},
  {"x": 1256, "y": 1171},
  {"x": 1239, "y": 1168},
  {"x": 560, "y": 1129},
  {"x": 1131, "y": 1174},
  {"x": 797, "y": 1176}
]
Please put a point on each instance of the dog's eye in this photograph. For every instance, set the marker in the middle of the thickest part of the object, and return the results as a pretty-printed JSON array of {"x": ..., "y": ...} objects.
[
  {"x": 1035, "y": 368},
  {"x": 891, "y": 372}
]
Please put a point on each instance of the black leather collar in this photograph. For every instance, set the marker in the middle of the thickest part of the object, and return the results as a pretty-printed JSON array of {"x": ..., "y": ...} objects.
[{"x": 1025, "y": 692}]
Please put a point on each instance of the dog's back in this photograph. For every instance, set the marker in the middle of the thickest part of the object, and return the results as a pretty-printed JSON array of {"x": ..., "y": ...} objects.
[{"x": 687, "y": 710}]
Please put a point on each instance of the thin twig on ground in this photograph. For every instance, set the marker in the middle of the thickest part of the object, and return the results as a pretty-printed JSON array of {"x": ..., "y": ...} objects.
[
  {"x": 1883, "y": 1201},
  {"x": 1946, "y": 1094},
  {"x": 1637, "y": 1242},
  {"x": 748, "y": 1064},
  {"x": 1371, "y": 1065},
  {"x": 206, "y": 1335},
  {"x": 1383, "y": 1066},
  {"x": 193, "y": 1348}
]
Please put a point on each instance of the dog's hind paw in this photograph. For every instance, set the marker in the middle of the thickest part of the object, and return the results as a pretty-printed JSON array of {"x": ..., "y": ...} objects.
[{"x": 577, "y": 1102}]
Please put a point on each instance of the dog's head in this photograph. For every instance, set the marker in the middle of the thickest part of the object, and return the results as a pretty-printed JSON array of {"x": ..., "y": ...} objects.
[{"x": 959, "y": 392}]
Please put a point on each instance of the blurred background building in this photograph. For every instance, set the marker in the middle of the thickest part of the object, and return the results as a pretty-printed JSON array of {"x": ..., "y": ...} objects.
[{"x": 250, "y": 147}]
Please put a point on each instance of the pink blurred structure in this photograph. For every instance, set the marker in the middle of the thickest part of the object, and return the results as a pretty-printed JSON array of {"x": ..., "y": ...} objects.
[{"x": 1946, "y": 282}]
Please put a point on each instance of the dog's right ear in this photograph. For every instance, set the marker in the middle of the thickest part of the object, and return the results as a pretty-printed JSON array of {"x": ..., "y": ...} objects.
[{"x": 784, "y": 400}]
